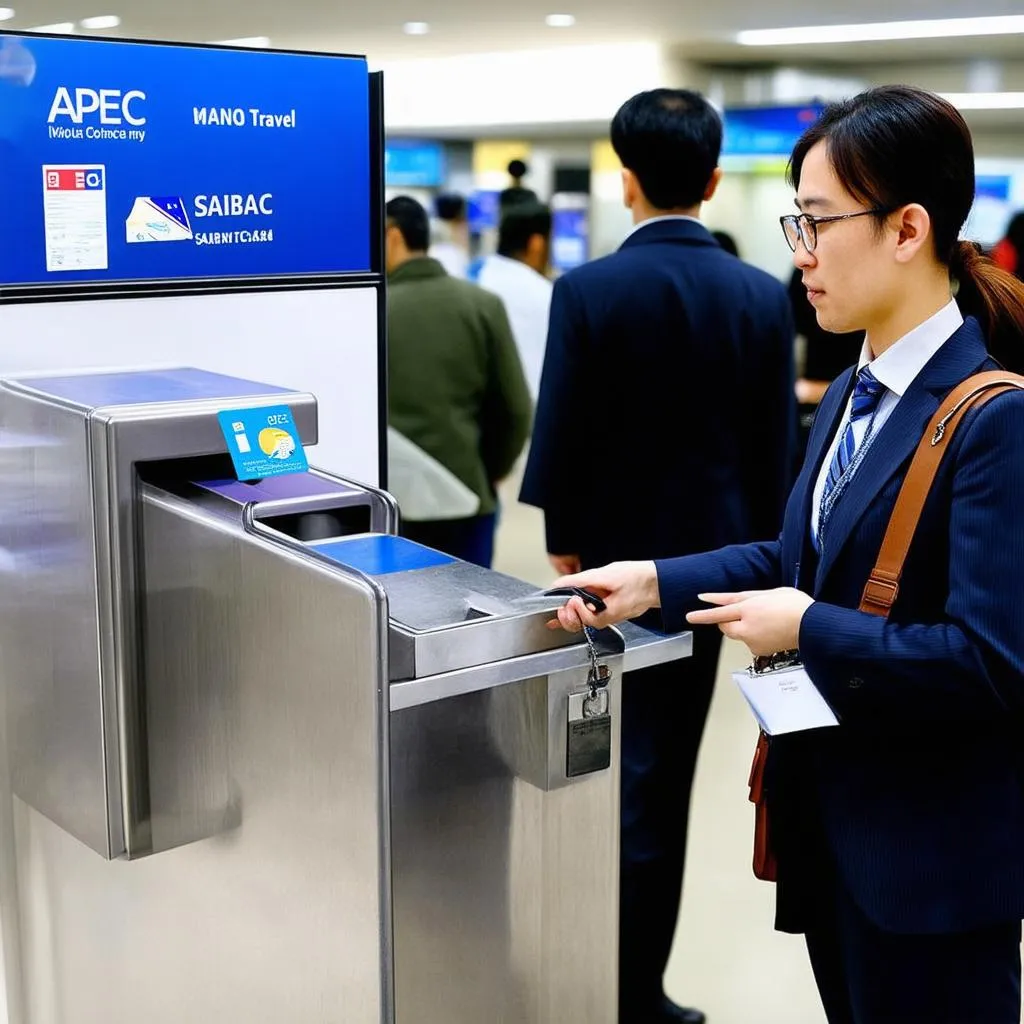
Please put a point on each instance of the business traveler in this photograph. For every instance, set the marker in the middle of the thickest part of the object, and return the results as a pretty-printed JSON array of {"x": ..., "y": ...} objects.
[
  {"x": 456, "y": 388},
  {"x": 670, "y": 365},
  {"x": 899, "y": 834},
  {"x": 449, "y": 234},
  {"x": 518, "y": 274},
  {"x": 516, "y": 192}
]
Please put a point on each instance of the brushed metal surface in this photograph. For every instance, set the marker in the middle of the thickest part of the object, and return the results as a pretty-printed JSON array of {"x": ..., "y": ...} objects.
[
  {"x": 267, "y": 726},
  {"x": 645, "y": 648},
  {"x": 459, "y": 615},
  {"x": 411, "y": 692},
  {"x": 642, "y": 648},
  {"x": 121, "y": 438},
  {"x": 67, "y": 554},
  {"x": 505, "y": 888},
  {"x": 457, "y": 589},
  {"x": 58, "y": 752}
]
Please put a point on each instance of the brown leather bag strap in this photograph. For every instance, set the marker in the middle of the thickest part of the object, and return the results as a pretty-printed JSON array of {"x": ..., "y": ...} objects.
[{"x": 884, "y": 583}]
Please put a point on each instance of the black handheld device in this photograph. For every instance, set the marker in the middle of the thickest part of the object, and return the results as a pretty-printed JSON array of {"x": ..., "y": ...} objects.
[{"x": 589, "y": 598}]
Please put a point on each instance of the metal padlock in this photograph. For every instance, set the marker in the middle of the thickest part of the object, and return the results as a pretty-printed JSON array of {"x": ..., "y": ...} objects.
[{"x": 596, "y": 702}]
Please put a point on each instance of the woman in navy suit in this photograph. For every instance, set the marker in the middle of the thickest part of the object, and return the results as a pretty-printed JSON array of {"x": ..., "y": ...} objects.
[{"x": 900, "y": 834}]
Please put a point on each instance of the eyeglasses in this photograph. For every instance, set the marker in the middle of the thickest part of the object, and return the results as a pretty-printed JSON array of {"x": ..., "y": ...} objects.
[{"x": 802, "y": 227}]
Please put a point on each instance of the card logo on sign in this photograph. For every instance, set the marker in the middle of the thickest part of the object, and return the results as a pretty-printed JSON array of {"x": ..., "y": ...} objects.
[
  {"x": 99, "y": 115},
  {"x": 113, "y": 106},
  {"x": 75, "y": 179},
  {"x": 158, "y": 219}
]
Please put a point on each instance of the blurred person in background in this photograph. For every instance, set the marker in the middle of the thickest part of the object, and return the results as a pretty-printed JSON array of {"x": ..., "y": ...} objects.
[
  {"x": 518, "y": 275},
  {"x": 456, "y": 385},
  {"x": 516, "y": 192},
  {"x": 449, "y": 243},
  {"x": 1009, "y": 251},
  {"x": 664, "y": 423},
  {"x": 825, "y": 357},
  {"x": 727, "y": 242}
]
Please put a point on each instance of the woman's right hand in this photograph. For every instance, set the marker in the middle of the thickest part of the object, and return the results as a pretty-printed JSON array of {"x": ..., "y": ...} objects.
[{"x": 628, "y": 589}]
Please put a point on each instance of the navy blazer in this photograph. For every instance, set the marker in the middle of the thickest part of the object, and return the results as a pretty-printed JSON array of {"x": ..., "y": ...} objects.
[
  {"x": 666, "y": 414},
  {"x": 920, "y": 791}
]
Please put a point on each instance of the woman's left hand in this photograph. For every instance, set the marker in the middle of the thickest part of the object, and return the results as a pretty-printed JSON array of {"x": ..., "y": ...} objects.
[{"x": 767, "y": 621}]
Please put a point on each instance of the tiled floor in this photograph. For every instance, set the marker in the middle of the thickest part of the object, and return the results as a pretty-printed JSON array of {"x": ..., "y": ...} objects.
[{"x": 727, "y": 959}]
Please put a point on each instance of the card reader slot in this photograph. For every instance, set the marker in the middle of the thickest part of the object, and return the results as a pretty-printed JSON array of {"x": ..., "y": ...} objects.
[{"x": 322, "y": 525}]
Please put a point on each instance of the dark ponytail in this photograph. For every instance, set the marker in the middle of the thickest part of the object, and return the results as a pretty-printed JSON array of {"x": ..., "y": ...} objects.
[
  {"x": 897, "y": 145},
  {"x": 996, "y": 298}
]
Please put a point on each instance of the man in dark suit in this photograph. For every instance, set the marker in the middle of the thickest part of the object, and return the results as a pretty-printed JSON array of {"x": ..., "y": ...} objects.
[{"x": 690, "y": 350}]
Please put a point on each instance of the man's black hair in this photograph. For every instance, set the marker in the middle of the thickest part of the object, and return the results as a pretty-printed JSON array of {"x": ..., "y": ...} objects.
[
  {"x": 450, "y": 206},
  {"x": 726, "y": 241},
  {"x": 670, "y": 139},
  {"x": 515, "y": 196},
  {"x": 411, "y": 220},
  {"x": 517, "y": 170},
  {"x": 519, "y": 224}
]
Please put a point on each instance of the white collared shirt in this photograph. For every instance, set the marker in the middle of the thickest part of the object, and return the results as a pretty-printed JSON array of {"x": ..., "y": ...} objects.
[
  {"x": 527, "y": 298},
  {"x": 662, "y": 220},
  {"x": 896, "y": 368}
]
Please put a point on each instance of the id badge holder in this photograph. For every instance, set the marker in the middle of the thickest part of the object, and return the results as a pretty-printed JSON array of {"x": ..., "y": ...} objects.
[{"x": 782, "y": 696}]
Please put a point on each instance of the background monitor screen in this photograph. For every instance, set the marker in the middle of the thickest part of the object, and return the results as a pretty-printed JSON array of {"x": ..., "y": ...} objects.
[
  {"x": 766, "y": 131},
  {"x": 409, "y": 163}
]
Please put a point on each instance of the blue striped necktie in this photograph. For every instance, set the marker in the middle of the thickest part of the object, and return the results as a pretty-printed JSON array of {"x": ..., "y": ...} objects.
[{"x": 867, "y": 394}]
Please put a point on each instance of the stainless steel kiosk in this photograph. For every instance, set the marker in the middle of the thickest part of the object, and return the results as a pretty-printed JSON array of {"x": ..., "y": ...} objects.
[{"x": 270, "y": 762}]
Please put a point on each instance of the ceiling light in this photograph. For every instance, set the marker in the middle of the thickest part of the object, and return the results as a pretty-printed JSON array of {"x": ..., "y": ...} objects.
[
  {"x": 61, "y": 28},
  {"x": 560, "y": 21},
  {"x": 985, "y": 100},
  {"x": 6, "y": 13},
  {"x": 101, "y": 21},
  {"x": 941, "y": 28},
  {"x": 252, "y": 42},
  {"x": 415, "y": 28}
]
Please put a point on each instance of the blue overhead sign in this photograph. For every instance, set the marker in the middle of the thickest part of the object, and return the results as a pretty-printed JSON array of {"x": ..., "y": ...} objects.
[
  {"x": 138, "y": 162},
  {"x": 993, "y": 186},
  {"x": 412, "y": 164},
  {"x": 766, "y": 131}
]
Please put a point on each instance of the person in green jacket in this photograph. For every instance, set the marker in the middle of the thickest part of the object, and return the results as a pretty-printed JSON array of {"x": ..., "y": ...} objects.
[{"x": 456, "y": 385}]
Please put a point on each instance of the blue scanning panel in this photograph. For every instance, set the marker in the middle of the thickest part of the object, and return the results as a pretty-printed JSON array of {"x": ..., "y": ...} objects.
[
  {"x": 382, "y": 554},
  {"x": 94, "y": 390}
]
